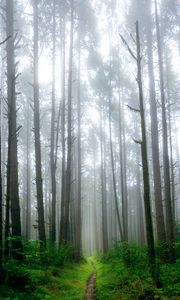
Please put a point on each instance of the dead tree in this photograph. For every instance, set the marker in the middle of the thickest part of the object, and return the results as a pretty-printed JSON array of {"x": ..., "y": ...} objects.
[{"x": 143, "y": 143}]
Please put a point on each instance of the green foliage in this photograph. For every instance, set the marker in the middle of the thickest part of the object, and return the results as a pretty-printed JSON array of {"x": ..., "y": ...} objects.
[
  {"x": 49, "y": 256},
  {"x": 133, "y": 256},
  {"x": 43, "y": 273},
  {"x": 170, "y": 277},
  {"x": 17, "y": 277},
  {"x": 31, "y": 251},
  {"x": 122, "y": 273}
]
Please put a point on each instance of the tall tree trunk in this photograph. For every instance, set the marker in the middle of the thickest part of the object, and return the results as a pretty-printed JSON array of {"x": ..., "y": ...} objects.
[
  {"x": 39, "y": 187},
  {"x": 52, "y": 152},
  {"x": 113, "y": 170},
  {"x": 63, "y": 167},
  {"x": 169, "y": 215},
  {"x": 1, "y": 198},
  {"x": 123, "y": 171},
  {"x": 103, "y": 187},
  {"x": 28, "y": 179},
  {"x": 172, "y": 175},
  {"x": 161, "y": 235},
  {"x": 12, "y": 169},
  {"x": 79, "y": 218},
  {"x": 140, "y": 214},
  {"x": 147, "y": 204},
  {"x": 65, "y": 225}
]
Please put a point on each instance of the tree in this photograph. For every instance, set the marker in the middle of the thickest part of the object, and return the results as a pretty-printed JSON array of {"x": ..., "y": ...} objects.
[
  {"x": 79, "y": 208},
  {"x": 63, "y": 95},
  {"x": 169, "y": 216},
  {"x": 1, "y": 199},
  {"x": 122, "y": 150},
  {"x": 65, "y": 217},
  {"x": 147, "y": 205},
  {"x": 52, "y": 151},
  {"x": 103, "y": 183},
  {"x": 161, "y": 235},
  {"x": 143, "y": 143},
  {"x": 113, "y": 167},
  {"x": 12, "y": 165},
  {"x": 40, "y": 206}
]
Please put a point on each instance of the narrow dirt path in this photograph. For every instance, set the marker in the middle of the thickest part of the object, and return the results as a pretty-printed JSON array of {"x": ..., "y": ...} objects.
[{"x": 90, "y": 291}]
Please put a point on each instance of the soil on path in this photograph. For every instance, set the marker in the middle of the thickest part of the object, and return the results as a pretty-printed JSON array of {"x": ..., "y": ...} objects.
[{"x": 90, "y": 291}]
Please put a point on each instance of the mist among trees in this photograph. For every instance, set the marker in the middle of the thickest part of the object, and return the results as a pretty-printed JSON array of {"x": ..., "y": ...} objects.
[{"x": 90, "y": 149}]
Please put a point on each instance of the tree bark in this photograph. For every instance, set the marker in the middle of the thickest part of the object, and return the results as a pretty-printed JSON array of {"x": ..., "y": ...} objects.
[
  {"x": 52, "y": 152},
  {"x": 113, "y": 171},
  {"x": 40, "y": 205},
  {"x": 169, "y": 215},
  {"x": 1, "y": 198},
  {"x": 28, "y": 179},
  {"x": 103, "y": 187},
  {"x": 12, "y": 168},
  {"x": 161, "y": 235},
  {"x": 147, "y": 204},
  {"x": 63, "y": 164},
  {"x": 65, "y": 224},
  {"x": 123, "y": 171},
  {"x": 79, "y": 217}
]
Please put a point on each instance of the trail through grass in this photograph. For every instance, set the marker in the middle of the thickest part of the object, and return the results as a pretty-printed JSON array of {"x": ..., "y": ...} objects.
[
  {"x": 121, "y": 274},
  {"x": 90, "y": 290},
  {"x": 66, "y": 283}
]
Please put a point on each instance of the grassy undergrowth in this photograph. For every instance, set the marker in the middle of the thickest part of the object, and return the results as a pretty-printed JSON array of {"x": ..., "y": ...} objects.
[
  {"x": 54, "y": 283},
  {"x": 45, "y": 276},
  {"x": 123, "y": 274}
]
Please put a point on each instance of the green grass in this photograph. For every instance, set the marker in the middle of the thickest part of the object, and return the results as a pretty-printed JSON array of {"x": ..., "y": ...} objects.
[
  {"x": 114, "y": 281},
  {"x": 123, "y": 274},
  {"x": 54, "y": 283},
  {"x": 68, "y": 283}
]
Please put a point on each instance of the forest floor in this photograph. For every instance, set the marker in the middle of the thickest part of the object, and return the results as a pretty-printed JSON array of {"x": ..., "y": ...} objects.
[
  {"x": 90, "y": 291},
  {"x": 68, "y": 282},
  {"x": 121, "y": 274}
]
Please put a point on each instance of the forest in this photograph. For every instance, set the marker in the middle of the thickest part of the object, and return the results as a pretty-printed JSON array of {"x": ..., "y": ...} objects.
[{"x": 89, "y": 149}]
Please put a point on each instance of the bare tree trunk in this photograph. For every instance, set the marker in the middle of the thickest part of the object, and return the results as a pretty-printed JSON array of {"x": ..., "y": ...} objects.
[
  {"x": 161, "y": 235},
  {"x": 52, "y": 152},
  {"x": 40, "y": 206},
  {"x": 103, "y": 187},
  {"x": 1, "y": 198},
  {"x": 123, "y": 171},
  {"x": 169, "y": 215},
  {"x": 12, "y": 170},
  {"x": 113, "y": 171},
  {"x": 147, "y": 204},
  {"x": 63, "y": 176},
  {"x": 140, "y": 216},
  {"x": 172, "y": 175},
  {"x": 65, "y": 225},
  {"x": 79, "y": 217},
  {"x": 28, "y": 179}
]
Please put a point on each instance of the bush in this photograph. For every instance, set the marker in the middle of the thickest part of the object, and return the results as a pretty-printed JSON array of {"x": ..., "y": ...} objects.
[
  {"x": 17, "y": 277},
  {"x": 133, "y": 256}
]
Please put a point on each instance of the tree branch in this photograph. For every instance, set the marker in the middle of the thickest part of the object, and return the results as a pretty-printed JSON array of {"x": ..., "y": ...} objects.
[
  {"x": 134, "y": 109},
  {"x": 129, "y": 49},
  {"x": 1, "y": 43}
]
